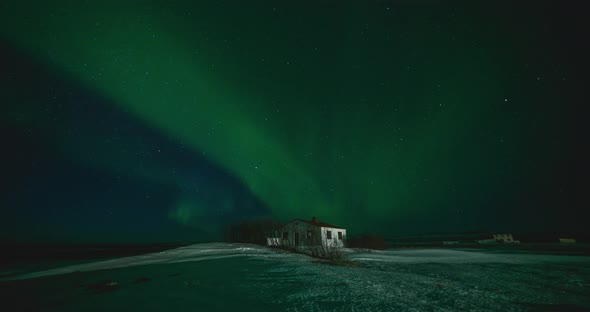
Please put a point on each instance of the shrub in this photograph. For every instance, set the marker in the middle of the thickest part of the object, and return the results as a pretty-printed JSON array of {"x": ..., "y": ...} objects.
[{"x": 325, "y": 252}]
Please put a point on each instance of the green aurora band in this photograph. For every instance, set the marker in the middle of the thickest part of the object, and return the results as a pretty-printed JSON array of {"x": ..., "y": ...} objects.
[{"x": 368, "y": 117}]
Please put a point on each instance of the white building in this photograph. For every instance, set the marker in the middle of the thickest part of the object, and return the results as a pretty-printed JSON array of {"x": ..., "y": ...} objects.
[
  {"x": 302, "y": 233},
  {"x": 505, "y": 238}
]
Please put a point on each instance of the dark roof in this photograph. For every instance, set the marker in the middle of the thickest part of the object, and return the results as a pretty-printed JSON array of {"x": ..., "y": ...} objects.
[{"x": 322, "y": 224}]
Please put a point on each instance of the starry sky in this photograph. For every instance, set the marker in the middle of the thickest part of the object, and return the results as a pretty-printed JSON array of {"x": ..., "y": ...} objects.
[{"x": 146, "y": 121}]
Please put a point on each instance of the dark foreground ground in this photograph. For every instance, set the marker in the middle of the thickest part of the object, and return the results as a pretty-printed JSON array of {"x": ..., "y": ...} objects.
[{"x": 237, "y": 277}]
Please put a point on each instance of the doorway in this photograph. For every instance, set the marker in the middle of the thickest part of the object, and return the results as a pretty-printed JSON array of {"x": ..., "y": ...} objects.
[{"x": 296, "y": 239}]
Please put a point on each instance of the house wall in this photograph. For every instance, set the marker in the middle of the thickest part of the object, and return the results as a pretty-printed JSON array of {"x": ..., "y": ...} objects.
[
  {"x": 302, "y": 228},
  {"x": 319, "y": 235},
  {"x": 334, "y": 242}
]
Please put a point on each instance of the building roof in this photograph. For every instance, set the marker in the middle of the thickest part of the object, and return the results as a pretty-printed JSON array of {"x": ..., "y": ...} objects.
[{"x": 317, "y": 223}]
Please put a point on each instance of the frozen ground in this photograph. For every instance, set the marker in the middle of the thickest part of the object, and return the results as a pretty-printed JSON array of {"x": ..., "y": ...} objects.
[{"x": 221, "y": 276}]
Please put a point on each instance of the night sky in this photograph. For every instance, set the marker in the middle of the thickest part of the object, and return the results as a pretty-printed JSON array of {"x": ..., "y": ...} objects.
[{"x": 152, "y": 122}]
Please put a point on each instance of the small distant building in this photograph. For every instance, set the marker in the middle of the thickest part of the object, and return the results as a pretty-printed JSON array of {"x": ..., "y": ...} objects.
[
  {"x": 302, "y": 233},
  {"x": 447, "y": 243},
  {"x": 567, "y": 240},
  {"x": 505, "y": 238}
]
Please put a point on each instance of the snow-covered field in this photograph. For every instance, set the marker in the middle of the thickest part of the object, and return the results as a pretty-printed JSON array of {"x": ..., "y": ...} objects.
[{"x": 220, "y": 276}]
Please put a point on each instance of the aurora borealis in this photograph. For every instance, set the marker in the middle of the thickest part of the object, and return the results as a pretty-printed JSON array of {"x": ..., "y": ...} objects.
[{"x": 143, "y": 121}]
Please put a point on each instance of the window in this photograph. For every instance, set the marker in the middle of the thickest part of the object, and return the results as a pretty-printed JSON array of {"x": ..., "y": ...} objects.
[
  {"x": 329, "y": 234},
  {"x": 285, "y": 235},
  {"x": 309, "y": 234},
  {"x": 340, "y": 235}
]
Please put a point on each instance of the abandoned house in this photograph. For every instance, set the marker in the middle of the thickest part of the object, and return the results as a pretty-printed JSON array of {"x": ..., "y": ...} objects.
[{"x": 301, "y": 233}]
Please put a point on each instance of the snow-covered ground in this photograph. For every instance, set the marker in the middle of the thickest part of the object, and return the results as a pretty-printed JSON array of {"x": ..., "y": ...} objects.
[
  {"x": 220, "y": 276},
  {"x": 197, "y": 252}
]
